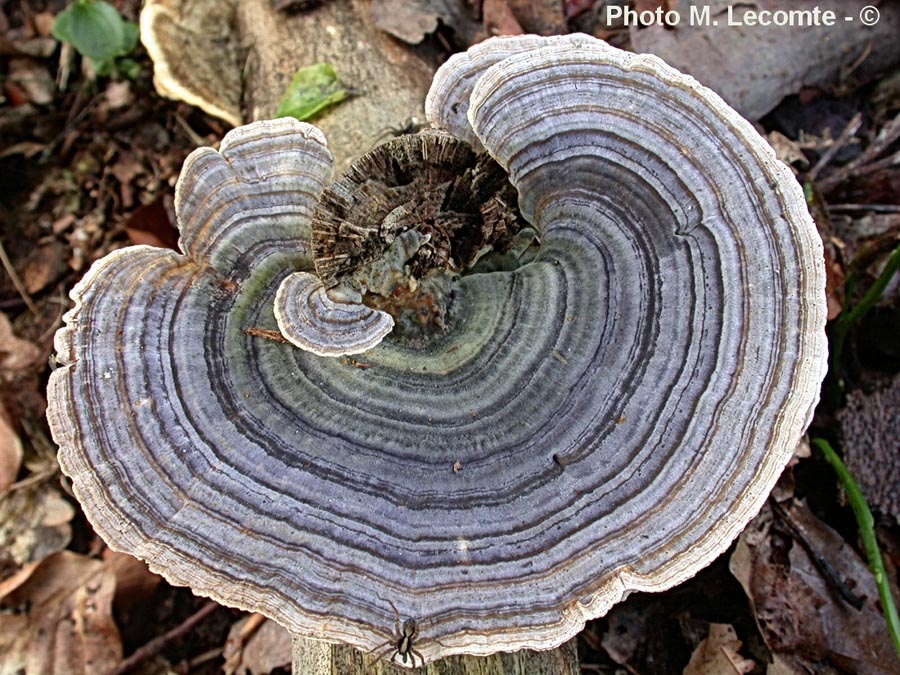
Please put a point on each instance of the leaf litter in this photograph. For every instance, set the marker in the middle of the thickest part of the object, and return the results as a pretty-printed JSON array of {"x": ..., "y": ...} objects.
[{"x": 94, "y": 170}]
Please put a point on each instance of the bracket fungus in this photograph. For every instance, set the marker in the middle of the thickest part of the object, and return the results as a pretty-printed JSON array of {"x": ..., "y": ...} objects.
[{"x": 599, "y": 417}]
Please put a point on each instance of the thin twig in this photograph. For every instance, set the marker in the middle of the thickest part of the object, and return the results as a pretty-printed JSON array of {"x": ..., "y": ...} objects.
[
  {"x": 885, "y": 163},
  {"x": 17, "y": 282},
  {"x": 882, "y": 142},
  {"x": 205, "y": 657},
  {"x": 842, "y": 140},
  {"x": 874, "y": 208},
  {"x": 889, "y": 134},
  {"x": 194, "y": 137},
  {"x": 157, "y": 644},
  {"x": 57, "y": 322},
  {"x": 822, "y": 563},
  {"x": 268, "y": 334}
]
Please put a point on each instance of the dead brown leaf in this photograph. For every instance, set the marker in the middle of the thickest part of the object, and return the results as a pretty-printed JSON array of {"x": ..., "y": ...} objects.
[
  {"x": 868, "y": 238},
  {"x": 650, "y": 5},
  {"x": 787, "y": 150},
  {"x": 27, "y": 149},
  {"x": 44, "y": 265},
  {"x": 835, "y": 278},
  {"x": 542, "y": 17},
  {"x": 34, "y": 523},
  {"x": 499, "y": 19},
  {"x": 256, "y": 646},
  {"x": 150, "y": 224},
  {"x": 57, "y": 618},
  {"x": 43, "y": 23},
  {"x": 412, "y": 20},
  {"x": 10, "y": 451},
  {"x": 37, "y": 47},
  {"x": 16, "y": 355},
  {"x": 719, "y": 654},
  {"x": 804, "y": 621},
  {"x": 34, "y": 78},
  {"x": 135, "y": 583},
  {"x": 119, "y": 95}
]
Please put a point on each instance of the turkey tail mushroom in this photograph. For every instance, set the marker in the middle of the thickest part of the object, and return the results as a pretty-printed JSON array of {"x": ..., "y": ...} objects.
[
  {"x": 600, "y": 418},
  {"x": 670, "y": 215}
]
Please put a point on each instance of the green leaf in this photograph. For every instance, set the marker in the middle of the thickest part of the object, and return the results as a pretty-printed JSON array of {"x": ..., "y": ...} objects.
[
  {"x": 95, "y": 29},
  {"x": 128, "y": 68},
  {"x": 312, "y": 89},
  {"x": 130, "y": 38}
]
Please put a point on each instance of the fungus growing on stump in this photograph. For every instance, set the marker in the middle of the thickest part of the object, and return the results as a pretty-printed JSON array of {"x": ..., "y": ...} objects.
[{"x": 602, "y": 418}]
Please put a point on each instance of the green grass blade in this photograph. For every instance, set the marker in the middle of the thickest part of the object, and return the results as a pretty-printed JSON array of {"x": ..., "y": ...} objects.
[{"x": 867, "y": 532}]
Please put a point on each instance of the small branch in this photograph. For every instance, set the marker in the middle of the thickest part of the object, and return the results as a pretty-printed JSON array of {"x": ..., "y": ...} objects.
[
  {"x": 822, "y": 563},
  {"x": 157, "y": 644},
  {"x": 268, "y": 334},
  {"x": 17, "y": 282},
  {"x": 873, "y": 208},
  {"x": 889, "y": 134},
  {"x": 842, "y": 140}
]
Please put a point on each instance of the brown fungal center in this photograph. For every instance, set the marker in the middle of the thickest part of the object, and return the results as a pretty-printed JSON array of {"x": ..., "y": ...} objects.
[{"x": 410, "y": 217}]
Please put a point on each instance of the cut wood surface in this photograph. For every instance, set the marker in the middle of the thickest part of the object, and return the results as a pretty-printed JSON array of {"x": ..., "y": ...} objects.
[
  {"x": 235, "y": 60},
  {"x": 319, "y": 658}
]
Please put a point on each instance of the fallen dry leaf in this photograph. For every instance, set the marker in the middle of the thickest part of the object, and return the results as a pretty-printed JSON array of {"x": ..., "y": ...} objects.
[
  {"x": 786, "y": 150},
  {"x": 150, "y": 224},
  {"x": 43, "y": 23},
  {"x": 16, "y": 354},
  {"x": 835, "y": 278},
  {"x": 135, "y": 583},
  {"x": 574, "y": 8},
  {"x": 56, "y": 618},
  {"x": 34, "y": 78},
  {"x": 256, "y": 646},
  {"x": 719, "y": 654},
  {"x": 412, "y": 20},
  {"x": 639, "y": 635},
  {"x": 34, "y": 523},
  {"x": 10, "y": 451},
  {"x": 650, "y": 5},
  {"x": 543, "y": 17},
  {"x": 807, "y": 626},
  {"x": 44, "y": 264},
  {"x": 118, "y": 94},
  {"x": 499, "y": 19}
]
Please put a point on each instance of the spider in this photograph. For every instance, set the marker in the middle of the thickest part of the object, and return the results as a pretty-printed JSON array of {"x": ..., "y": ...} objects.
[
  {"x": 401, "y": 645},
  {"x": 412, "y": 125}
]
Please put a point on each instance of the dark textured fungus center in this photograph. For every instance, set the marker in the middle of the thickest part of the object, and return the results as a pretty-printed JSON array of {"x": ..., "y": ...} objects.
[{"x": 410, "y": 217}]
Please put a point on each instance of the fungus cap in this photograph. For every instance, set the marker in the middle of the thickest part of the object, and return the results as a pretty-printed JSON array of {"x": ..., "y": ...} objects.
[{"x": 603, "y": 419}]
